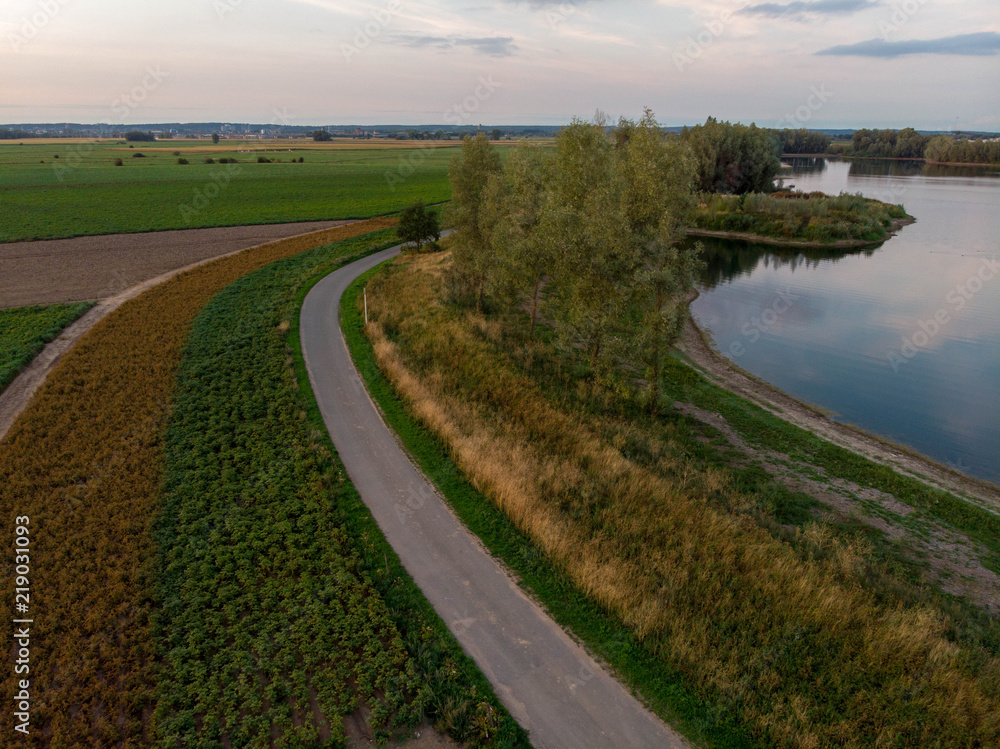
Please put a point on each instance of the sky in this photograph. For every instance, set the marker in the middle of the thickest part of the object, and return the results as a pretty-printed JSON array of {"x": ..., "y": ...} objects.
[{"x": 930, "y": 64}]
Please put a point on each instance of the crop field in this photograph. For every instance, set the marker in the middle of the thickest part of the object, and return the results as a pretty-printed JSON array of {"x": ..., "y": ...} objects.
[
  {"x": 54, "y": 190},
  {"x": 800, "y": 618},
  {"x": 24, "y": 331},
  {"x": 86, "y": 464}
]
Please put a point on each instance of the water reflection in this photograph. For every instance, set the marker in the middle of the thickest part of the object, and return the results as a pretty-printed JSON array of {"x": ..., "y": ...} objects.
[{"x": 726, "y": 259}]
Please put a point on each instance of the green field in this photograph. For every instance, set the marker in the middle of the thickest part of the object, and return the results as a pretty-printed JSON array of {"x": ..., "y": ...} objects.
[
  {"x": 24, "y": 331},
  {"x": 82, "y": 192}
]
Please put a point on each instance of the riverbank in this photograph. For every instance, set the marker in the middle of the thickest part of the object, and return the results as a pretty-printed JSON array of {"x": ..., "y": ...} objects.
[
  {"x": 718, "y": 369},
  {"x": 798, "y": 219},
  {"x": 840, "y": 244}
]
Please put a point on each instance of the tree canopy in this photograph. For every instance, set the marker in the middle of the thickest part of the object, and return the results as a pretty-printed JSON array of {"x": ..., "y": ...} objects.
[
  {"x": 733, "y": 158},
  {"x": 589, "y": 232}
]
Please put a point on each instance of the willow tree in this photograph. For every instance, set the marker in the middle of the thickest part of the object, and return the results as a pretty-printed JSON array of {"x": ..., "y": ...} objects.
[
  {"x": 514, "y": 203},
  {"x": 584, "y": 224},
  {"x": 470, "y": 173},
  {"x": 657, "y": 179}
]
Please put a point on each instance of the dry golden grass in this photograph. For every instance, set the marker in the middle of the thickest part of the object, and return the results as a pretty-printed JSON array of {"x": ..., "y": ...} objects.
[
  {"x": 85, "y": 462},
  {"x": 803, "y": 655}
]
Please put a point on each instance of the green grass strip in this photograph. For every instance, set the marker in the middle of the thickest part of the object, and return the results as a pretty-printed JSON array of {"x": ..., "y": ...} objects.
[{"x": 24, "y": 331}]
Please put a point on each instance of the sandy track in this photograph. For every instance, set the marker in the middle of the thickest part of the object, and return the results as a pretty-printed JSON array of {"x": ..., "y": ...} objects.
[
  {"x": 722, "y": 372},
  {"x": 88, "y": 268},
  {"x": 15, "y": 398}
]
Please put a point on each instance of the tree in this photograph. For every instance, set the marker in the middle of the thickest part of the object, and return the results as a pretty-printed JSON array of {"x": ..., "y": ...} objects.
[
  {"x": 733, "y": 158},
  {"x": 215, "y": 137},
  {"x": 657, "y": 178},
  {"x": 524, "y": 258},
  {"x": 321, "y": 135},
  {"x": 469, "y": 173},
  {"x": 584, "y": 222},
  {"x": 139, "y": 136},
  {"x": 495, "y": 134},
  {"x": 418, "y": 225}
]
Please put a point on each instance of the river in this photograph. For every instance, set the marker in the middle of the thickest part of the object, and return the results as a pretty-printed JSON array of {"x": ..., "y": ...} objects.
[{"x": 902, "y": 341}]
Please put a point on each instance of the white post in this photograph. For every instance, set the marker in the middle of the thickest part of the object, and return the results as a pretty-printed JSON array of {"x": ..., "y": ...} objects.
[{"x": 366, "y": 305}]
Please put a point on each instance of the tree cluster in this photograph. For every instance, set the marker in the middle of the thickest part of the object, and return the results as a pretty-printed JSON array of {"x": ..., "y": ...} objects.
[
  {"x": 321, "y": 135},
  {"x": 591, "y": 233},
  {"x": 733, "y": 158},
  {"x": 140, "y": 136},
  {"x": 948, "y": 149},
  {"x": 894, "y": 144},
  {"x": 802, "y": 141}
]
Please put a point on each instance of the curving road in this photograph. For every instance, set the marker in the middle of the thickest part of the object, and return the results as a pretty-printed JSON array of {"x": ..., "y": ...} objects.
[{"x": 554, "y": 689}]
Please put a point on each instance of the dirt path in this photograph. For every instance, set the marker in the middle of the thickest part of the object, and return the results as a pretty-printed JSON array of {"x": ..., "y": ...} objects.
[
  {"x": 88, "y": 268},
  {"x": 17, "y": 395},
  {"x": 727, "y": 375},
  {"x": 550, "y": 684}
]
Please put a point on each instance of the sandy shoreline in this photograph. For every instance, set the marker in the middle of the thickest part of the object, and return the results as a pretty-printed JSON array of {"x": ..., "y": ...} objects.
[{"x": 720, "y": 371}]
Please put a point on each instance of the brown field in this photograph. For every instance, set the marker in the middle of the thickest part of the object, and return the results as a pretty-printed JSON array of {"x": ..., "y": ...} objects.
[
  {"x": 90, "y": 268},
  {"x": 85, "y": 463}
]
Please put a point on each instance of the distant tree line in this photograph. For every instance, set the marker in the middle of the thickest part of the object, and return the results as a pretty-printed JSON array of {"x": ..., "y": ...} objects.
[
  {"x": 589, "y": 232},
  {"x": 802, "y": 141},
  {"x": 962, "y": 150},
  {"x": 140, "y": 136},
  {"x": 8, "y": 134},
  {"x": 892, "y": 144},
  {"x": 908, "y": 143}
]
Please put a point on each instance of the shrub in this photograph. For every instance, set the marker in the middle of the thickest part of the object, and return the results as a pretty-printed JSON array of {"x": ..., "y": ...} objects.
[
  {"x": 263, "y": 160},
  {"x": 209, "y": 160},
  {"x": 182, "y": 161},
  {"x": 138, "y": 155},
  {"x": 119, "y": 162}
]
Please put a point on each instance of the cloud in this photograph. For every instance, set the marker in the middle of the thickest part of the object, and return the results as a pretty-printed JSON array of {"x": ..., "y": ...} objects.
[
  {"x": 494, "y": 46},
  {"x": 982, "y": 43},
  {"x": 799, "y": 9}
]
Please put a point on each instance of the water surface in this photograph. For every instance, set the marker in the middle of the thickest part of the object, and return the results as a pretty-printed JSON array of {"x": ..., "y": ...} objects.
[{"x": 903, "y": 340}]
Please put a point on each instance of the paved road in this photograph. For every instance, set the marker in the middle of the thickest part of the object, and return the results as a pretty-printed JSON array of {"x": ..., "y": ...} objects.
[{"x": 549, "y": 683}]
